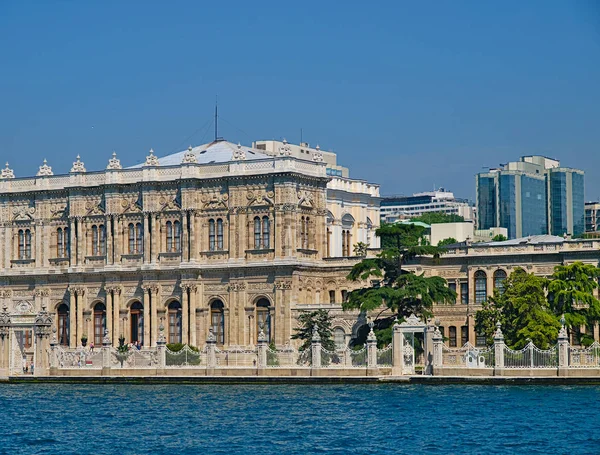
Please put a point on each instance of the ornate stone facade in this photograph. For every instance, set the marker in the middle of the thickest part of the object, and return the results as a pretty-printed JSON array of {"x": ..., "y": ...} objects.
[{"x": 216, "y": 238}]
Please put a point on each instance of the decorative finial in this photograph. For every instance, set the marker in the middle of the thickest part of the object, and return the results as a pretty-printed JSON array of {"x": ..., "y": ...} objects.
[
  {"x": 315, "y": 334},
  {"x": 114, "y": 162},
  {"x": 498, "y": 334},
  {"x": 285, "y": 150},
  {"x": 151, "y": 159},
  {"x": 7, "y": 173},
  {"x": 285, "y": 141},
  {"x": 562, "y": 333},
  {"x": 317, "y": 148},
  {"x": 211, "y": 336},
  {"x": 78, "y": 166},
  {"x": 318, "y": 157},
  {"x": 239, "y": 154},
  {"x": 189, "y": 157},
  {"x": 45, "y": 170}
]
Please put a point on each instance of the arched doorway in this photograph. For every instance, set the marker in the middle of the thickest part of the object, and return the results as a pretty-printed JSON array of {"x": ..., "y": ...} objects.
[
  {"x": 63, "y": 324},
  {"x": 217, "y": 320},
  {"x": 174, "y": 322},
  {"x": 136, "y": 313},
  {"x": 263, "y": 318},
  {"x": 99, "y": 323}
]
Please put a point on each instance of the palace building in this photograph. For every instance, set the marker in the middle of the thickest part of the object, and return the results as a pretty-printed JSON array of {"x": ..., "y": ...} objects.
[{"x": 219, "y": 237}]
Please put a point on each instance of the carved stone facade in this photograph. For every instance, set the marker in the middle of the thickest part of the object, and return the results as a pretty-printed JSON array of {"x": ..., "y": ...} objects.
[{"x": 222, "y": 243}]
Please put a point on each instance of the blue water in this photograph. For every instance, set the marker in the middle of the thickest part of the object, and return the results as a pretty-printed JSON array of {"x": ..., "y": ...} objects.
[{"x": 297, "y": 419}]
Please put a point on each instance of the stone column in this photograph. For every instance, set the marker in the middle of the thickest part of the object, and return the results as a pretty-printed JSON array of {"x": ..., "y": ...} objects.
[
  {"x": 262, "y": 350},
  {"x": 316, "y": 349},
  {"x": 79, "y": 295},
  {"x": 109, "y": 240},
  {"x": 397, "y": 355},
  {"x": 371, "y": 348},
  {"x": 438, "y": 346},
  {"x": 154, "y": 301},
  {"x": 146, "y": 302},
  {"x": 72, "y": 242},
  {"x": 563, "y": 349},
  {"x": 53, "y": 355},
  {"x": 117, "y": 240},
  {"x": 106, "y": 345},
  {"x": 193, "y": 302},
  {"x": 161, "y": 351},
  {"x": 211, "y": 354},
  {"x": 41, "y": 329},
  {"x": 5, "y": 324},
  {"x": 146, "y": 239},
  {"x": 194, "y": 237},
  {"x": 428, "y": 349},
  {"x": 154, "y": 239},
  {"x": 109, "y": 313},
  {"x": 185, "y": 311},
  {"x": 72, "y": 318},
  {"x": 116, "y": 303},
  {"x": 498, "y": 351},
  {"x": 185, "y": 250}
]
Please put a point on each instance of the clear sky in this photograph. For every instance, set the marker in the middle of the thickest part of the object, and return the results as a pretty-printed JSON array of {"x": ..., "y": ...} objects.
[{"x": 410, "y": 94}]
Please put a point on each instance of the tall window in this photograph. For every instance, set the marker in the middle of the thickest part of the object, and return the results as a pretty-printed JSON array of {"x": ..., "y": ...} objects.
[
  {"x": 328, "y": 242},
  {"x": 346, "y": 243},
  {"x": 464, "y": 293},
  {"x": 174, "y": 322},
  {"x": 452, "y": 336},
  {"x": 136, "y": 238},
  {"x": 173, "y": 236},
  {"x": 339, "y": 338},
  {"x": 332, "y": 296},
  {"x": 99, "y": 323},
  {"x": 452, "y": 286},
  {"x": 262, "y": 233},
  {"x": 24, "y": 244},
  {"x": 304, "y": 233},
  {"x": 217, "y": 321},
  {"x": 464, "y": 335},
  {"x": 499, "y": 277},
  {"x": 263, "y": 318},
  {"x": 63, "y": 324},
  {"x": 136, "y": 313},
  {"x": 215, "y": 234},
  {"x": 62, "y": 242},
  {"x": 98, "y": 240},
  {"x": 480, "y": 286}
]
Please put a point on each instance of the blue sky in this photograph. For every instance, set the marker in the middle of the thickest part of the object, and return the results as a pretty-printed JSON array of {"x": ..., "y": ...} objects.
[{"x": 410, "y": 94}]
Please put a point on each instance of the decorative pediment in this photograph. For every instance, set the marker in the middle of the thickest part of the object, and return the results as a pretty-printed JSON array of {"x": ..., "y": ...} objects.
[
  {"x": 239, "y": 154},
  {"x": 214, "y": 201},
  {"x": 78, "y": 166},
  {"x": 95, "y": 206},
  {"x": 151, "y": 159},
  {"x": 59, "y": 210},
  {"x": 260, "y": 198},
  {"x": 7, "y": 173},
  {"x": 45, "y": 170},
  {"x": 169, "y": 201},
  {"x": 114, "y": 163},
  {"x": 305, "y": 199},
  {"x": 23, "y": 212},
  {"x": 189, "y": 157},
  {"x": 131, "y": 203},
  {"x": 23, "y": 307}
]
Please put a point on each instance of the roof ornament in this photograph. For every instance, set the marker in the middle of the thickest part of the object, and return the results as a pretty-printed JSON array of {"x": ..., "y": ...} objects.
[
  {"x": 151, "y": 159},
  {"x": 45, "y": 170},
  {"x": 78, "y": 166},
  {"x": 114, "y": 162},
  {"x": 239, "y": 154},
  {"x": 189, "y": 157},
  {"x": 317, "y": 148},
  {"x": 285, "y": 150},
  {"x": 7, "y": 173},
  {"x": 318, "y": 156}
]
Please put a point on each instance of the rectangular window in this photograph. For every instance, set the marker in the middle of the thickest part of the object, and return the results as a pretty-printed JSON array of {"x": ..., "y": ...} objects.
[
  {"x": 464, "y": 293},
  {"x": 220, "y": 234},
  {"x": 211, "y": 235},
  {"x": 480, "y": 340},
  {"x": 464, "y": 335},
  {"x": 452, "y": 336},
  {"x": 344, "y": 296},
  {"x": 452, "y": 286},
  {"x": 331, "y": 296}
]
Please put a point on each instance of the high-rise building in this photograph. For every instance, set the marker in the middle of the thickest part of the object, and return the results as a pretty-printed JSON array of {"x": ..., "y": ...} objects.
[
  {"x": 532, "y": 196},
  {"x": 592, "y": 217}
]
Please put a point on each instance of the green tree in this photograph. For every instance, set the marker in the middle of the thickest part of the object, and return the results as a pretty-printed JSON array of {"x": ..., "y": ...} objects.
[
  {"x": 438, "y": 217},
  {"x": 399, "y": 290},
  {"x": 571, "y": 292},
  {"x": 523, "y": 311},
  {"x": 448, "y": 241},
  {"x": 308, "y": 321},
  {"x": 499, "y": 238}
]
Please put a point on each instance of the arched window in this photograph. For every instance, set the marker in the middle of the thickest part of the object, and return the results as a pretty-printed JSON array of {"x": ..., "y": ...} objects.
[
  {"x": 304, "y": 233},
  {"x": 174, "y": 322},
  {"x": 136, "y": 316},
  {"x": 62, "y": 242},
  {"x": 169, "y": 236},
  {"x": 480, "y": 286},
  {"x": 266, "y": 236},
  {"x": 99, "y": 323},
  {"x": 219, "y": 234},
  {"x": 217, "y": 321},
  {"x": 63, "y": 324},
  {"x": 339, "y": 338},
  {"x": 24, "y": 244},
  {"x": 257, "y": 233},
  {"x": 452, "y": 336},
  {"x": 98, "y": 240},
  {"x": 263, "y": 318},
  {"x": 211, "y": 235},
  {"x": 499, "y": 277},
  {"x": 136, "y": 238},
  {"x": 346, "y": 243}
]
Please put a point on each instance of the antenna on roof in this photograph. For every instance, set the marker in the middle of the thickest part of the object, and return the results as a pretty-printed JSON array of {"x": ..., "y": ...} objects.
[
  {"x": 300, "y": 136},
  {"x": 216, "y": 117}
]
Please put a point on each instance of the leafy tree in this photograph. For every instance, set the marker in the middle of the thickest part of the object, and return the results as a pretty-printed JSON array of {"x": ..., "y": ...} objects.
[
  {"x": 397, "y": 289},
  {"x": 499, "y": 238},
  {"x": 360, "y": 249},
  {"x": 571, "y": 292},
  {"x": 448, "y": 241},
  {"x": 308, "y": 320},
  {"x": 438, "y": 217},
  {"x": 523, "y": 311}
]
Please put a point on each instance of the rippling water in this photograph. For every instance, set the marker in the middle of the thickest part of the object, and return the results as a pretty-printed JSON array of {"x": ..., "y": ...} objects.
[{"x": 297, "y": 419}]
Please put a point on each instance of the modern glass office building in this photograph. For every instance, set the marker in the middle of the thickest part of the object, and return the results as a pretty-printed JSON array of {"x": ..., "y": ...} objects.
[{"x": 533, "y": 196}]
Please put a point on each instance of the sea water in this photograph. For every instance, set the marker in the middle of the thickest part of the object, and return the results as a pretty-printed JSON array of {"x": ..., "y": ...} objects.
[{"x": 298, "y": 419}]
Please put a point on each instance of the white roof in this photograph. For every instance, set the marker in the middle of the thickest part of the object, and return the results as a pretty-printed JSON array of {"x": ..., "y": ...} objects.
[
  {"x": 532, "y": 240},
  {"x": 213, "y": 152}
]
